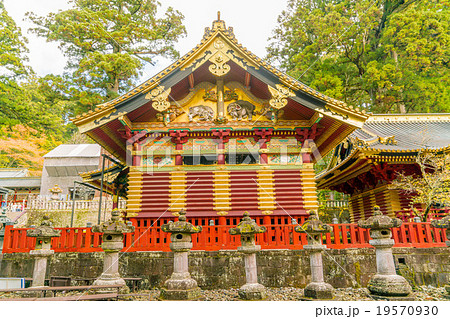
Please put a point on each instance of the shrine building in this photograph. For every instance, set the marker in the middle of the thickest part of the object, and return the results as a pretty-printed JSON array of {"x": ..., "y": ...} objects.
[
  {"x": 217, "y": 133},
  {"x": 367, "y": 161}
]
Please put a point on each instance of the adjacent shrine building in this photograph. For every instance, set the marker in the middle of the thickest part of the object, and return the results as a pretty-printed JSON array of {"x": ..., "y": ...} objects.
[
  {"x": 217, "y": 133},
  {"x": 365, "y": 163}
]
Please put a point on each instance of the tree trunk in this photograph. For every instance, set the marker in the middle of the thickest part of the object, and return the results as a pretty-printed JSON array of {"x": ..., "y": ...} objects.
[{"x": 425, "y": 213}]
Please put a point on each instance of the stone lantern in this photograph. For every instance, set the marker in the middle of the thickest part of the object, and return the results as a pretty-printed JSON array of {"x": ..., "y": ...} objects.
[
  {"x": 444, "y": 223},
  {"x": 314, "y": 228},
  {"x": 56, "y": 190},
  {"x": 247, "y": 229},
  {"x": 42, "y": 250},
  {"x": 386, "y": 283},
  {"x": 180, "y": 286},
  {"x": 112, "y": 243}
]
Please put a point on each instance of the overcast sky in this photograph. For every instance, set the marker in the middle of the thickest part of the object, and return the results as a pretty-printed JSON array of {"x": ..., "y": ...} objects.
[{"x": 252, "y": 20}]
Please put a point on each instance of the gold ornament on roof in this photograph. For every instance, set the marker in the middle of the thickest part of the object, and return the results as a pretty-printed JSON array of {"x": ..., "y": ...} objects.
[
  {"x": 219, "y": 44},
  {"x": 159, "y": 98},
  {"x": 219, "y": 66},
  {"x": 279, "y": 96}
]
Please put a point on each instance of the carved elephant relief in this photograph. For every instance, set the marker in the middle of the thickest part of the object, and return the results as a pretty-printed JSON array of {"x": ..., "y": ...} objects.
[
  {"x": 204, "y": 113},
  {"x": 240, "y": 110}
]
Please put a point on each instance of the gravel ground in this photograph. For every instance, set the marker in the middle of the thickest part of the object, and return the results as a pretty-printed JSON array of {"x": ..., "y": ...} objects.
[
  {"x": 277, "y": 294},
  {"x": 288, "y": 294}
]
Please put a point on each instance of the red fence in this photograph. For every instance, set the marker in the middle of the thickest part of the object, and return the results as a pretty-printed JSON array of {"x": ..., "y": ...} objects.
[
  {"x": 420, "y": 235},
  {"x": 407, "y": 215}
]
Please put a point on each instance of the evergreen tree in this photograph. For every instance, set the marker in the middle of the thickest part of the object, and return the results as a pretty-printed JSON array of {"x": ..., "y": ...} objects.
[
  {"x": 107, "y": 42},
  {"x": 12, "y": 70},
  {"x": 385, "y": 56}
]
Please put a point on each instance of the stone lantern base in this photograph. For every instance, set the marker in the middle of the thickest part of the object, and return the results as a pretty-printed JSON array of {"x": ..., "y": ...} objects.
[
  {"x": 191, "y": 294},
  {"x": 319, "y": 290},
  {"x": 389, "y": 286},
  {"x": 252, "y": 292},
  {"x": 111, "y": 280},
  {"x": 180, "y": 287}
]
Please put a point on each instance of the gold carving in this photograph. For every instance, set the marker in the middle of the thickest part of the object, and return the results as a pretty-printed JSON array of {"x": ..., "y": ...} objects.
[
  {"x": 267, "y": 212},
  {"x": 279, "y": 96},
  {"x": 159, "y": 98},
  {"x": 222, "y": 213},
  {"x": 219, "y": 66},
  {"x": 218, "y": 44},
  {"x": 387, "y": 140}
]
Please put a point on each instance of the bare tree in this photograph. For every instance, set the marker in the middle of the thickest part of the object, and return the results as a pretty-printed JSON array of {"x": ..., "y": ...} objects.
[{"x": 431, "y": 187}]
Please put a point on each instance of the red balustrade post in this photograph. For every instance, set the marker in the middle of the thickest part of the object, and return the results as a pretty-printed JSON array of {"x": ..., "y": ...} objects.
[
  {"x": 428, "y": 236},
  {"x": 337, "y": 236},
  {"x": 7, "y": 239},
  {"x": 88, "y": 239},
  {"x": 71, "y": 239},
  {"x": 96, "y": 242},
  {"x": 79, "y": 241},
  {"x": 128, "y": 243},
  {"x": 154, "y": 232},
  {"x": 412, "y": 233},
  {"x": 353, "y": 240},
  {"x": 420, "y": 234},
  {"x": 23, "y": 240}
]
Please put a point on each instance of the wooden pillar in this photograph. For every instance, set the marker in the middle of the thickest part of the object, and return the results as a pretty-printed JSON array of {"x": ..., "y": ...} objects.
[
  {"x": 179, "y": 138},
  {"x": 262, "y": 136},
  {"x": 220, "y": 100},
  {"x": 115, "y": 203},
  {"x": 178, "y": 157},
  {"x": 221, "y": 155},
  {"x": 222, "y": 137},
  {"x": 137, "y": 158}
]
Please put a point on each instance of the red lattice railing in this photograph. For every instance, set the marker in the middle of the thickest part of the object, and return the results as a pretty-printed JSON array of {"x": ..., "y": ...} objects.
[
  {"x": 420, "y": 235},
  {"x": 407, "y": 215}
]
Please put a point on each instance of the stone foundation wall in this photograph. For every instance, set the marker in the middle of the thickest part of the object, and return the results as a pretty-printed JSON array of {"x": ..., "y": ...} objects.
[
  {"x": 225, "y": 269},
  {"x": 61, "y": 218}
]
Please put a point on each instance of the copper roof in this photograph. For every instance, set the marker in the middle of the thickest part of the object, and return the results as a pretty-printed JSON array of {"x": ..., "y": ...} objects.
[{"x": 400, "y": 133}]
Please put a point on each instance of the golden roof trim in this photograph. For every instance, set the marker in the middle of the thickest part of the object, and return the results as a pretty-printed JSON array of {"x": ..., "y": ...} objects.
[{"x": 411, "y": 117}]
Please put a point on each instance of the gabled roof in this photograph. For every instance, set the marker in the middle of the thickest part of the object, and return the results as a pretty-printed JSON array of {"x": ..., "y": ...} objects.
[
  {"x": 13, "y": 172},
  {"x": 200, "y": 55},
  {"x": 74, "y": 150},
  {"x": 21, "y": 182},
  {"x": 386, "y": 138},
  {"x": 404, "y": 133}
]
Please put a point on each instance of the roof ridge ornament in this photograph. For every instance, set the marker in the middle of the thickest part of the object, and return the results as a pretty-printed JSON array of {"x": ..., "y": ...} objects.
[{"x": 218, "y": 25}]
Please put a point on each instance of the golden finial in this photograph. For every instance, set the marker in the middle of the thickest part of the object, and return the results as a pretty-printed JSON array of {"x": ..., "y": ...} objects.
[{"x": 218, "y": 15}]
